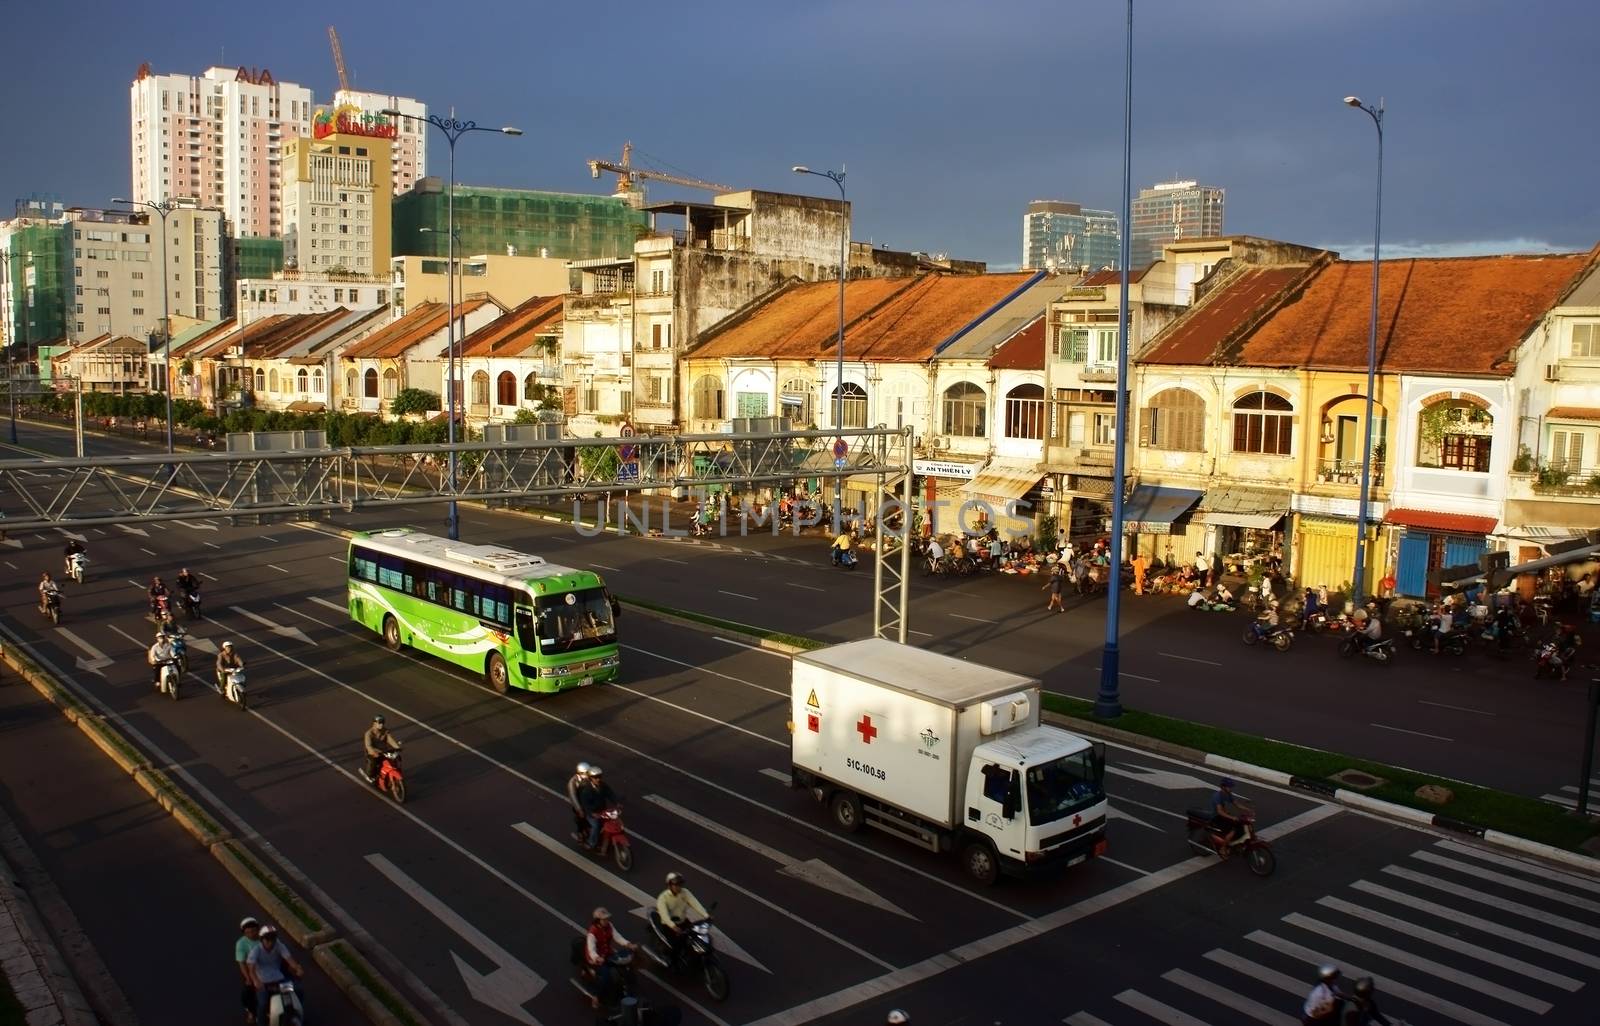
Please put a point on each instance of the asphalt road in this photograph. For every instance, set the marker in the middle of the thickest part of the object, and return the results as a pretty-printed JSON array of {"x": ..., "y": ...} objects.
[
  {"x": 1476, "y": 719},
  {"x": 475, "y": 889}
]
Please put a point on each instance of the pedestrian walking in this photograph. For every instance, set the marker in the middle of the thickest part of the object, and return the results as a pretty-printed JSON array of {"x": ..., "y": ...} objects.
[
  {"x": 1139, "y": 567},
  {"x": 1216, "y": 569},
  {"x": 1058, "y": 578}
]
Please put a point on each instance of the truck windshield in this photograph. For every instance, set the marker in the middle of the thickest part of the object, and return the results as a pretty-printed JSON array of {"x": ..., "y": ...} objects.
[{"x": 1060, "y": 788}]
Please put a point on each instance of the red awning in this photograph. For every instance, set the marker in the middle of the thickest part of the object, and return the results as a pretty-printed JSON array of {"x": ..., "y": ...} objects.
[{"x": 1445, "y": 523}]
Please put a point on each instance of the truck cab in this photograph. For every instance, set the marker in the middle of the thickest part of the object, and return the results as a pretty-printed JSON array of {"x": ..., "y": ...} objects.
[{"x": 1038, "y": 796}]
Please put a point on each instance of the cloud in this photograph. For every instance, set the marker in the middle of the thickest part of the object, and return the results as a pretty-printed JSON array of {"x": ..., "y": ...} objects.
[{"x": 1426, "y": 250}]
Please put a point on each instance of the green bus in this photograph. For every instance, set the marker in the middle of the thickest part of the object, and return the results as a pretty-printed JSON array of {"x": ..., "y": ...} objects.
[{"x": 520, "y": 621}]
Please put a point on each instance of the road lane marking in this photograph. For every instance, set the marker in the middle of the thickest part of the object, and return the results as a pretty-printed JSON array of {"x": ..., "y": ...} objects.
[
  {"x": 1084, "y": 1019},
  {"x": 777, "y": 774},
  {"x": 213, "y": 545},
  {"x": 278, "y": 568},
  {"x": 207, "y": 576},
  {"x": 1223, "y": 996},
  {"x": 277, "y": 628},
  {"x": 812, "y": 871},
  {"x": 602, "y": 566},
  {"x": 1143, "y": 805},
  {"x": 806, "y": 587},
  {"x": 1507, "y": 881},
  {"x": 1456, "y": 916},
  {"x": 336, "y": 607},
  {"x": 702, "y": 669},
  {"x": 268, "y": 537},
  {"x": 136, "y": 584},
  {"x": 1414, "y": 733},
  {"x": 1439, "y": 940},
  {"x": 1135, "y": 676},
  {"x": 11, "y": 564},
  {"x": 645, "y": 902},
  {"x": 337, "y": 559},
  {"x": 1189, "y": 659},
  {"x": 1457, "y": 708},
  {"x": 735, "y": 594},
  {"x": 699, "y": 715},
  {"x": 1156, "y": 1010},
  {"x": 974, "y": 619},
  {"x": 753, "y": 648},
  {"x": 1521, "y": 865},
  {"x": 296, "y": 612},
  {"x": 1477, "y": 897},
  {"x": 98, "y": 531},
  {"x": 924, "y": 634},
  {"x": 147, "y": 551},
  {"x": 1271, "y": 977},
  {"x": 669, "y": 559},
  {"x": 1123, "y": 865},
  {"x": 1022, "y": 933}
]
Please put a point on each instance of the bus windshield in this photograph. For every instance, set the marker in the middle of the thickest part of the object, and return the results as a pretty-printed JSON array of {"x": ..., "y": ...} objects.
[{"x": 572, "y": 621}]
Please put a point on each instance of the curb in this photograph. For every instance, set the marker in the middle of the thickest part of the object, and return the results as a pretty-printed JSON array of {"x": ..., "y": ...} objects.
[
  {"x": 1340, "y": 795},
  {"x": 170, "y": 797},
  {"x": 332, "y": 957},
  {"x": 44, "y": 988},
  {"x": 263, "y": 885}
]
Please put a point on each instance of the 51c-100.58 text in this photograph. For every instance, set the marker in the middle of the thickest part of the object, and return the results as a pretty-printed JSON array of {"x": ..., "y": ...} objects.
[{"x": 871, "y": 771}]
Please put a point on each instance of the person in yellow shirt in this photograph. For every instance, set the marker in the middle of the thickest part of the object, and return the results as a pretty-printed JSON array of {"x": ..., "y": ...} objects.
[
  {"x": 842, "y": 556},
  {"x": 677, "y": 910}
]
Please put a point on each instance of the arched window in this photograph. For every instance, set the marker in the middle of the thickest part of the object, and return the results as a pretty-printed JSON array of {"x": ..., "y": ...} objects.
[
  {"x": 391, "y": 382},
  {"x": 505, "y": 389},
  {"x": 272, "y": 380},
  {"x": 796, "y": 400},
  {"x": 1263, "y": 422},
  {"x": 260, "y": 380},
  {"x": 350, "y": 383},
  {"x": 1025, "y": 412},
  {"x": 1454, "y": 434},
  {"x": 480, "y": 388},
  {"x": 302, "y": 378},
  {"x": 966, "y": 407},
  {"x": 708, "y": 397},
  {"x": 854, "y": 402},
  {"x": 318, "y": 384},
  {"x": 532, "y": 391},
  {"x": 1175, "y": 419},
  {"x": 370, "y": 382}
]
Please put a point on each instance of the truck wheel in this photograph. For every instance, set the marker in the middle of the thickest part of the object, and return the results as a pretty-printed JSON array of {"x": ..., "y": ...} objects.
[
  {"x": 981, "y": 862},
  {"x": 847, "y": 812}
]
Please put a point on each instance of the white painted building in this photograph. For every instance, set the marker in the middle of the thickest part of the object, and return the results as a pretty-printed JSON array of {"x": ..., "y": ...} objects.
[
  {"x": 293, "y": 292},
  {"x": 409, "y": 154}
]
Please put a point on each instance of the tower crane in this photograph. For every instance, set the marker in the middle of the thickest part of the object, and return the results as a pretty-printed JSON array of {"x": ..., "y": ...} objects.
[
  {"x": 338, "y": 60},
  {"x": 629, "y": 177}
]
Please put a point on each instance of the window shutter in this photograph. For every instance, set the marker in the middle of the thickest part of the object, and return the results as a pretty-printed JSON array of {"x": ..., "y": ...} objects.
[
  {"x": 1558, "y": 446},
  {"x": 1147, "y": 423},
  {"x": 1241, "y": 432},
  {"x": 1575, "y": 454}
]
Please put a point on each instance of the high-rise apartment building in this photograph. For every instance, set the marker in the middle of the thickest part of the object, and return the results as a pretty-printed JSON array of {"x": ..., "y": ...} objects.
[
  {"x": 216, "y": 139},
  {"x": 116, "y": 272},
  {"x": 1172, "y": 210},
  {"x": 337, "y": 198},
  {"x": 409, "y": 144},
  {"x": 1067, "y": 236}
]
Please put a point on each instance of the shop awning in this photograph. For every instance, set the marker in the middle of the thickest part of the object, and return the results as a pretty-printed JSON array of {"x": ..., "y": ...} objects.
[
  {"x": 1542, "y": 535},
  {"x": 869, "y": 482},
  {"x": 1573, "y": 413},
  {"x": 1575, "y": 516},
  {"x": 1444, "y": 523},
  {"x": 1004, "y": 481},
  {"x": 1258, "y": 508},
  {"x": 790, "y": 399},
  {"x": 1151, "y": 509},
  {"x": 306, "y": 407}
]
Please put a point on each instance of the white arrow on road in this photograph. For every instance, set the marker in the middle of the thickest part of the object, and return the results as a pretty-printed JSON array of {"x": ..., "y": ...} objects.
[
  {"x": 195, "y": 525},
  {"x": 645, "y": 901},
  {"x": 74, "y": 536},
  {"x": 141, "y": 532},
  {"x": 278, "y": 629},
  {"x": 97, "y": 660},
  {"x": 12, "y": 542},
  {"x": 1116, "y": 813},
  {"x": 811, "y": 871},
  {"x": 505, "y": 990},
  {"x": 200, "y": 644},
  {"x": 1164, "y": 779}
]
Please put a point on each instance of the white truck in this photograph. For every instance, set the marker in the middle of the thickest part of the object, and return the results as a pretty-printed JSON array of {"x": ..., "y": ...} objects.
[{"x": 946, "y": 754}]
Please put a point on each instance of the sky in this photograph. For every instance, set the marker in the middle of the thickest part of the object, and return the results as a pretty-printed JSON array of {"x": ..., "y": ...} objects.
[{"x": 948, "y": 116}]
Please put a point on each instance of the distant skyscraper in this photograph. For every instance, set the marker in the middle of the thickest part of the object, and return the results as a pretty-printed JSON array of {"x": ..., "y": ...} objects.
[
  {"x": 410, "y": 141},
  {"x": 1172, "y": 210},
  {"x": 1066, "y": 235}
]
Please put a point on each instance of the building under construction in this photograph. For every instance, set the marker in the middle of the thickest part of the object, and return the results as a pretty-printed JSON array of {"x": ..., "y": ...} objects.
[{"x": 525, "y": 222}]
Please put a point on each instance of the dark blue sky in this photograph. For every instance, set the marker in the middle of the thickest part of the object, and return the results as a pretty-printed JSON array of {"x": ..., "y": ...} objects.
[{"x": 949, "y": 115}]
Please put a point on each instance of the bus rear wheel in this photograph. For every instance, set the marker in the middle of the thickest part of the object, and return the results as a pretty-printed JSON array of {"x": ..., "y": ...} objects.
[
  {"x": 499, "y": 676},
  {"x": 391, "y": 633}
]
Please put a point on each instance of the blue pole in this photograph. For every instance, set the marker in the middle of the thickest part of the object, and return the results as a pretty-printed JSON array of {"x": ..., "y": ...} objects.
[
  {"x": 1108, "y": 703},
  {"x": 1358, "y": 582}
]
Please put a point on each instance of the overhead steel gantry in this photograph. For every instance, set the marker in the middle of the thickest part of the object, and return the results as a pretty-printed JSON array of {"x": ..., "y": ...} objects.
[{"x": 83, "y": 492}]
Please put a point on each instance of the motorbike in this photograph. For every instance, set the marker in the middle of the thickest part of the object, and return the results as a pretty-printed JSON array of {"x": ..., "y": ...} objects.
[
  {"x": 846, "y": 559},
  {"x": 167, "y": 680},
  {"x": 283, "y": 1005},
  {"x": 50, "y": 607},
  {"x": 1553, "y": 661},
  {"x": 180, "y": 649},
  {"x": 613, "y": 839},
  {"x": 1455, "y": 642},
  {"x": 390, "y": 779},
  {"x": 1380, "y": 651},
  {"x": 698, "y": 953},
  {"x": 191, "y": 604},
  {"x": 1206, "y": 839},
  {"x": 624, "y": 989},
  {"x": 161, "y": 612},
  {"x": 1279, "y": 637},
  {"x": 230, "y": 685},
  {"x": 76, "y": 565}
]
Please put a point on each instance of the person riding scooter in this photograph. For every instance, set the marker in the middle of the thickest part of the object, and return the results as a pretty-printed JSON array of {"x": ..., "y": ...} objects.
[
  {"x": 597, "y": 798},
  {"x": 1369, "y": 629},
  {"x": 576, "y": 785},
  {"x": 158, "y": 595},
  {"x": 842, "y": 556},
  {"x": 1325, "y": 1001},
  {"x": 74, "y": 548},
  {"x": 377, "y": 741},
  {"x": 160, "y": 656},
  {"x": 1225, "y": 815},
  {"x": 600, "y": 951},
  {"x": 677, "y": 910},
  {"x": 1363, "y": 1007}
]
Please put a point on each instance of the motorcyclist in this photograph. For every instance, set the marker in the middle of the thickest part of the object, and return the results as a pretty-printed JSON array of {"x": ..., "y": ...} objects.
[
  {"x": 1267, "y": 621},
  {"x": 158, "y": 593},
  {"x": 1363, "y": 1007},
  {"x": 249, "y": 939},
  {"x": 228, "y": 658},
  {"x": 377, "y": 741},
  {"x": 270, "y": 964},
  {"x": 1325, "y": 1000},
  {"x": 1506, "y": 624},
  {"x": 600, "y": 950},
  {"x": 596, "y": 799},
  {"x": 188, "y": 584},
  {"x": 161, "y": 655},
  {"x": 677, "y": 909},
  {"x": 49, "y": 591},
  {"x": 576, "y": 785},
  {"x": 842, "y": 556},
  {"x": 1567, "y": 642},
  {"x": 1225, "y": 815},
  {"x": 1369, "y": 629},
  {"x": 935, "y": 551},
  {"x": 74, "y": 548}
]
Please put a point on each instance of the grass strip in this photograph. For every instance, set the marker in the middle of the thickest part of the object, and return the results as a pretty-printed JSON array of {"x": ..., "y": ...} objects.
[
  {"x": 113, "y": 737},
  {"x": 270, "y": 882},
  {"x": 178, "y": 797},
  {"x": 10, "y": 1007},
  {"x": 1515, "y": 814},
  {"x": 728, "y": 625},
  {"x": 376, "y": 987}
]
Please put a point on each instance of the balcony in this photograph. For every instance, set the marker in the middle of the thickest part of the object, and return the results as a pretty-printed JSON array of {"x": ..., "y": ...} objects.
[
  {"x": 1346, "y": 472},
  {"x": 1098, "y": 372},
  {"x": 1555, "y": 481}
]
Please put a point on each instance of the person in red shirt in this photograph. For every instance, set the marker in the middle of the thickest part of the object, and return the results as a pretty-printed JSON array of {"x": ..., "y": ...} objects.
[{"x": 600, "y": 949}]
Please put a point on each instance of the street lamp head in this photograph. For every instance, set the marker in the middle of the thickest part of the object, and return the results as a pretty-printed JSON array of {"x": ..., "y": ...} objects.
[
  {"x": 508, "y": 130},
  {"x": 801, "y": 169},
  {"x": 1352, "y": 101},
  {"x": 124, "y": 202},
  {"x": 390, "y": 112}
]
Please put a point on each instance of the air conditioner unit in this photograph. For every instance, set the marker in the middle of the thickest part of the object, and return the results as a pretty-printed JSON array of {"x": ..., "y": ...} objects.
[{"x": 1552, "y": 372}]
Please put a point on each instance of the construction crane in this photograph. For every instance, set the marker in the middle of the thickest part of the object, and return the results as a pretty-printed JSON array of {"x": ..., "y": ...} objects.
[
  {"x": 628, "y": 177},
  {"x": 338, "y": 59}
]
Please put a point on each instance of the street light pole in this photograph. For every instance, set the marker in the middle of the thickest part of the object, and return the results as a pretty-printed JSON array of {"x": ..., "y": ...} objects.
[
  {"x": 1108, "y": 702},
  {"x": 164, "y": 208},
  {"x": 452, "y": 130},
  {"x": 1358, "y": 582},
  {"x": 837, "y": 178}
]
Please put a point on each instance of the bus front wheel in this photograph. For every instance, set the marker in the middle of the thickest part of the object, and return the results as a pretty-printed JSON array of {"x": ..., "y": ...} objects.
[
  {"x": 391, "y": 633},
  {"x": 499, "y": 678}
]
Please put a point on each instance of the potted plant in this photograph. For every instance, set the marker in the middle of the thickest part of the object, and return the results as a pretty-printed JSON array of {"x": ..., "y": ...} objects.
[{"x": 1523, "y": 464}]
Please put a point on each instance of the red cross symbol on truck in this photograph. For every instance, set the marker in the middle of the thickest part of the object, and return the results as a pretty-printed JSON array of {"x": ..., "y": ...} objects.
[{"x": 868, "y": 731}]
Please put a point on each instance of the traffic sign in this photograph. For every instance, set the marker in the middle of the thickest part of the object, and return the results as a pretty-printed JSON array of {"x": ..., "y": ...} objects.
[
  {"x": 840, "y": 449},
  {"x": 626, "y": 431},
  {"x": 839, "y": 463},
  {"x": 627, "y": 453}
]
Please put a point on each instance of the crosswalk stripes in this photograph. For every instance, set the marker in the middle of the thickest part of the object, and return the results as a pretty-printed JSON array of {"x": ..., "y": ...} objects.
[
  {"x": 1568, "y": 797},
  {"x": 1416, "y": 928}
]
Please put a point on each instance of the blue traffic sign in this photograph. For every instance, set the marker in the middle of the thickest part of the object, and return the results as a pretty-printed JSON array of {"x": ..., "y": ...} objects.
[
  {"x": 840, "y": 449},
  {"x": 839, "y": 462}
]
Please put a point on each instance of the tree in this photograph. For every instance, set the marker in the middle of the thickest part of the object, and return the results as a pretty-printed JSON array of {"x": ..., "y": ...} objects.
[
  {"x": 414, "y": 400},
  {"x": 599, "y": 461}
]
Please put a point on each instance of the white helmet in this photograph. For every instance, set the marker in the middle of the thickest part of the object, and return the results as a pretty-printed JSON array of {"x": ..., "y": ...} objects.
[
  {"x": 583, "y": 769},
  {"x": 897, "y": 1017}
]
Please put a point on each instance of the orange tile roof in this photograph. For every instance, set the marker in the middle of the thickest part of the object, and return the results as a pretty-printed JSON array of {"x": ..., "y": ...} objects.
[
  {"x": 1454, "y": 315},
  {"x": 1573, "y": 413},
  {"x": 1431, "y": 520},
  {"x": 192, "y": 347},
  {"x": 420, "y": 321},
  {"x": 1022, "y": 351},
  {"x": 910, "y": 326},
  {"x": 1202, "y": 333},
  {"x": 799, "y": 320},
  {"x": 1135, "y": 274},
  {"x": 516, "y": 332}
]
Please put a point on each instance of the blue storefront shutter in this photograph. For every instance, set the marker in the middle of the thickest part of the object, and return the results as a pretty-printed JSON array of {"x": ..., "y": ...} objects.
[
  {"x": 1462, "y": 551},
  {"x": 1412, "y": 575}
]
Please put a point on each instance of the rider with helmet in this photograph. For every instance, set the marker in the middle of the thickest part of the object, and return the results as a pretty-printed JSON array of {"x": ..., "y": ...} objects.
[
  {"x": 49, "y": 591},
  {"x": 1369, "y": 629},
  {"x": 576, "y": 785},
  {"x": 600, "y": 950},
  {"x": 1323, "y": 1003},
  {"x": 597, "y": 798},
  {"x": 188, "y": 585},
  {"x": 228, "y": 659},
  {"x": 74, "y": 548},
  {"x": 158, "y": 594},
  {"x": 161, "y": 655},
  {"x": 1364, "y": 1005},
  {"x": 898, "y": 1018},
  {"x": 677, "y": 910},
  {"x": 270, "y": 964},
  {"x": 248, "y": 941},
  {"x": 377, "y": 741}
]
